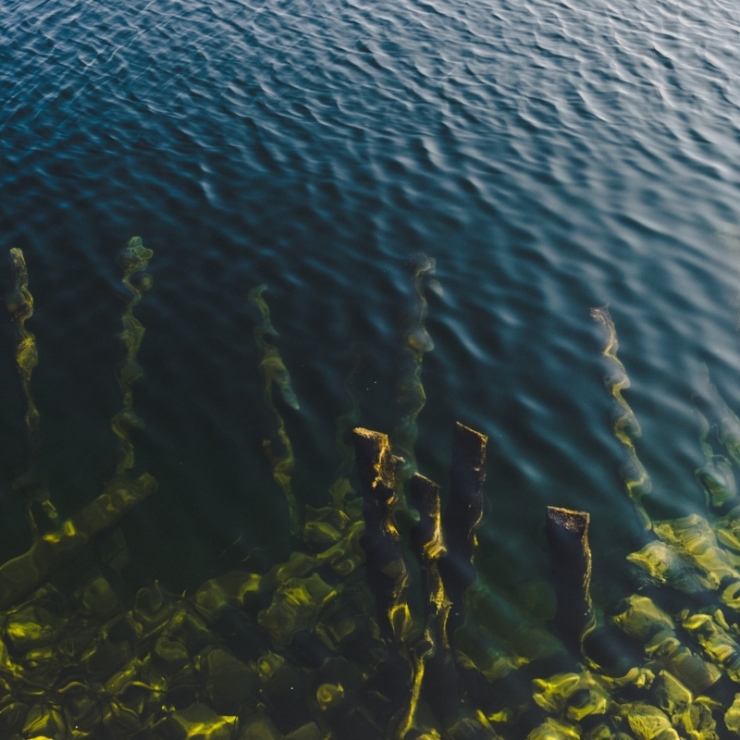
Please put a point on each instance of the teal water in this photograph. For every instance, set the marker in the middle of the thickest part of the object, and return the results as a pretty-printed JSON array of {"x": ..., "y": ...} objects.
[{"x": 551, "y": 156}]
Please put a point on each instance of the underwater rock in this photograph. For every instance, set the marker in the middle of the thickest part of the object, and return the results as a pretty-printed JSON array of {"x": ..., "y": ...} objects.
[
  {"x": 236, "y": 588},
  {"x": 711, "y": 632},
  {"x": 170, "y": 655},
  {"x": 732, "y": 716},
  {"x": 31, "y": 627},
  {"x": 100, "y": 598},
  {"x": 693, "y": 538},
  {"x": 552, "y": 729},
  {"x": 198, "y": 722},
  {"x": 663, "y": 564},
  {"x": 44, "y": 720},
  {"x": 309, "y": 731},
  {"x": 296, "y": 605},
  {"x": 647, "y": 722},
  {"x": 639, "y": 617},
  {"x": 667, "y": 652},
  {"x": 571, "y": 695},
  {"x": 258, "y": 727},
  {"x": 670, "y": 694},
  {"x": 229, "y": 682}
]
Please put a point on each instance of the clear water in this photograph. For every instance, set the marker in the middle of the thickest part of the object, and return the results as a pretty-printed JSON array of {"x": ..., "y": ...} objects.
[{"x": 552, "y": 157}]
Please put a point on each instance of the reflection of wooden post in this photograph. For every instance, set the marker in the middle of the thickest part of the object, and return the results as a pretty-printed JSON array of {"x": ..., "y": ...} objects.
[
  {"x": 464, "y": 512},
  {"x": 387, "y": 571},
  {"x": 567, "y": 541},
  {"x": 32, "y": 487},
  {"x": 436, "y": 668}
]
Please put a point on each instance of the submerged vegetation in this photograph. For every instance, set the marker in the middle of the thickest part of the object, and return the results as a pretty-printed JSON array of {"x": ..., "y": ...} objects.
[{"x": 377, "y": 625}]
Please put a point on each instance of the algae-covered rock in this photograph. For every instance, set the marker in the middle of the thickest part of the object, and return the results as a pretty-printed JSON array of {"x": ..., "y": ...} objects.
[
  {"x": 229, "y": 682},
  {"x": 170, "y": 654},
  {"x": 574, "y": 695},
  {"x": 258, "y": 727},
  {"x": 199, "y": 722},
  {"x": 668, "y": 653},
  {"x": 647, "y": 722},
  {"x": 712, "y": 634},
  {"x": 44, "y": 719},
  {"x": 639, "y": 617},
  {"x": 296, "y": 605},
  {"x": 31, "y": 627},
  {"x": 552, "y": 729},
  {"x": 670, "y": 694},
  {"x": 329, "y": 696},
  {"x": 732, "y": 716},
  {"x": 309, "y": 731},
  {"x": 696, "y": 722},
  {"x": 82, "y": 707},
  {"x": 663, "y": 564},
  {"x": 100, "y": 598},
  {"x": 693, "y": 538},
  {"x": 231, "y": 589}
]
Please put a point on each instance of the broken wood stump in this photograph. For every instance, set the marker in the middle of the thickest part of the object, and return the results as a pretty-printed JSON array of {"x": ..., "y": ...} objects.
[
  {"x": 387, "y": 570},
  {"x": 567, "y": 541},
  {"x": 464, "y": 512}
]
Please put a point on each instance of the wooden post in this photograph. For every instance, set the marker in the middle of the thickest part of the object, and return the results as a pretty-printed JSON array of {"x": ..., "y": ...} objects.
[
  {"x": 387, "y": 571},
  {"x": 567, "y": 541},
  {"x": 464, "y": 512}
]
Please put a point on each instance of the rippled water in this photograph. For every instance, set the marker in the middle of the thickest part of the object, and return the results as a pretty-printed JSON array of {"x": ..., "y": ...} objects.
[{"x": 551, "y": 156}]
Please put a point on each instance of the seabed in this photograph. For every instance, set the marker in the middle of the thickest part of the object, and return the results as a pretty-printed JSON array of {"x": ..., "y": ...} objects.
[{"x": 330, "y": 644}]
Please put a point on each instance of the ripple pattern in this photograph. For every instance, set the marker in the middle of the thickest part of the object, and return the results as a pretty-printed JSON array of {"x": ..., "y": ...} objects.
[{"x": 553, "y": 156}]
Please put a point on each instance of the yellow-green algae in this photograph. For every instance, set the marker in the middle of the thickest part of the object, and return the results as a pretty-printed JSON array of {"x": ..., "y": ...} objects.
[{"x": 319, "y": 648}]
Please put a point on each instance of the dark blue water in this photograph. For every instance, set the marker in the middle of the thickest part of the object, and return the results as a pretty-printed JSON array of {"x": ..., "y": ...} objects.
[{"x": 551, "y": 156}]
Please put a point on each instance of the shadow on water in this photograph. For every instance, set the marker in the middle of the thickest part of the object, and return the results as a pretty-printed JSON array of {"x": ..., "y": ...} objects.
[{"x": 377, "y": 625}]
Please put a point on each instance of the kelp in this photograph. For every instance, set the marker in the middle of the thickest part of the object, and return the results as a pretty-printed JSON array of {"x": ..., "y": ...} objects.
[
  {"x": 30, "y": 485},
  {"x": 626, "y": 427},
  {"x": 278, "y": 448}
]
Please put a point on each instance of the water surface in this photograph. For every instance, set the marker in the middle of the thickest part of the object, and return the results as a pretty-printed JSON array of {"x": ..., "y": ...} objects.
[{"x": 551, "y": 156}]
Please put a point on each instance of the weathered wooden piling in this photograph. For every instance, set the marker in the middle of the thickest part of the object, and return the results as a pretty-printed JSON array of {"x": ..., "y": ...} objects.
[
  {"x": 387, "y": 570},
  {"x": 464, "y": 512},
  {"x": 570, "y": 554}
]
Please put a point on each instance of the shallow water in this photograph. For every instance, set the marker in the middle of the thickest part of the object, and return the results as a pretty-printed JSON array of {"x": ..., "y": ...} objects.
[{"x": 551, "y": 156}]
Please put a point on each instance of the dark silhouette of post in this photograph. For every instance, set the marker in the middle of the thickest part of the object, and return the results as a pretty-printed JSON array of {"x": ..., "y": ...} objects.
[
  {"x": 567, "y": 541},
  {"x": 464, "y": 512}
]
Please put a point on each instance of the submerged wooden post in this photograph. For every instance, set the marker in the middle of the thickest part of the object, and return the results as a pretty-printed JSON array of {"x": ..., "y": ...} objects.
[
  {"x": 387, "y": 571},
  {"x": 464, "y": 512},
  {"x": 435, "y": 668},
  {"x": 567, "y": 541}
]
